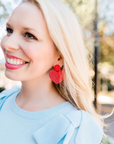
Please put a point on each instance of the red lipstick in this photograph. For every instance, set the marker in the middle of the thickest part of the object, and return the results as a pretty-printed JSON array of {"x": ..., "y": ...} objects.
[
  {"x": 10, "y": 56},
  {"x": 13, "y": 67}
]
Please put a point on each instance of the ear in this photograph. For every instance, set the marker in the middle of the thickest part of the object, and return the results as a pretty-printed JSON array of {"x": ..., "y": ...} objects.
[{"x": 60, "y": 61}]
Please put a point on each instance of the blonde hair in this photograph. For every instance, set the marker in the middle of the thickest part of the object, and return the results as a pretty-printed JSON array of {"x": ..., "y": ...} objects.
[{"x": 66, "y": 34}]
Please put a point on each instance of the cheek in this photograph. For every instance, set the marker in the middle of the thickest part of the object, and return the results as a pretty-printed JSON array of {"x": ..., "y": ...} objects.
[
  {"x": 39, "y": 53},
  {"x": 3, "y": 43}
]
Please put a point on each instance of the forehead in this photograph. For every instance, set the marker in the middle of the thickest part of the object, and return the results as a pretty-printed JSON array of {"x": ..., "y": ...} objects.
[{"x": 28, "y": 14}]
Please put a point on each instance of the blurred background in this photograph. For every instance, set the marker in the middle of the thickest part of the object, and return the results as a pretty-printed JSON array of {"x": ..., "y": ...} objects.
[{"x": 97, "y": 22}]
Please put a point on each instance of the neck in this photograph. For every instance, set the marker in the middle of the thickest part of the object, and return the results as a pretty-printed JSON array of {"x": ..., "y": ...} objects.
[{"x": 38, "y": 94}]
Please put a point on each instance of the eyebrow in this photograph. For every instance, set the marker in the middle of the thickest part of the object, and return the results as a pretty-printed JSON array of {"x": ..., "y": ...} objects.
[{"x": 26, "y": 28}]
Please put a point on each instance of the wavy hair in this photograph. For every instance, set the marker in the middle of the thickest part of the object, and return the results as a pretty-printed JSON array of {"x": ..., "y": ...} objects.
[{"x": 67, "y": 36}]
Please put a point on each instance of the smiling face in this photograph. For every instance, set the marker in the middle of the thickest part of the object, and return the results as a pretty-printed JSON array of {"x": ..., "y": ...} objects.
[{"x": 28, "y": 39}]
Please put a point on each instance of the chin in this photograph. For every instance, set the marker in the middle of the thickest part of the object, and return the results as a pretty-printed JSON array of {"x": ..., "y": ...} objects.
[{"x": 11, "y": 75}]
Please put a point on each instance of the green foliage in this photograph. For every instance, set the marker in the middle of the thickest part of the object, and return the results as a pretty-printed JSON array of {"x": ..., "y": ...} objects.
[
  {"x": 85, "y": 11},
  {"x": 105, "y": 141}
]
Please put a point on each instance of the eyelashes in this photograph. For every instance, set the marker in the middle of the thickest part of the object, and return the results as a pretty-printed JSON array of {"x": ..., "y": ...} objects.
[
  {"x": 7, "y": 29},
  {"x": 29, "y": 35}
]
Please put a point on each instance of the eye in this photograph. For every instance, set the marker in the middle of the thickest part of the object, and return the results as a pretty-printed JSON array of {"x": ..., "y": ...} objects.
[
  {"x": 8, "y": 30},
  {"x": 29, "y": 35}
]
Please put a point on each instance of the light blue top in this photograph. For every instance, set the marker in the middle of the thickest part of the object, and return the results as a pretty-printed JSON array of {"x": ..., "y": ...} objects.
[{"x": 62, "y": 124}]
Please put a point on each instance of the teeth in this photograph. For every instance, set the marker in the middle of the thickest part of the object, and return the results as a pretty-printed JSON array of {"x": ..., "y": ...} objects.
[
  {"x": 15, "y": 61},
  {"x": 8, "y": 60},
  {"x": 18, "y": 62},
  {"x": 21, "y": 62},
  {"x": 11, "y": 61}
]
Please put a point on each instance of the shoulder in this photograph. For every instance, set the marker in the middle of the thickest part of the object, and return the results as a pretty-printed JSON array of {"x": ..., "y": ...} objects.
[
  {"x": 76, "y": 127},
  {"x": 90, "y": 131},
  {"x": 6, "y": 93},
  {"x": 87, "y": 130}
]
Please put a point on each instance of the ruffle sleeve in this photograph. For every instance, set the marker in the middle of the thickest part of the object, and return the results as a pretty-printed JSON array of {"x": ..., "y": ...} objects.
[
  {"x": 6, "y": 93},
  {"x": 76, "y": 127},
  {"x": 89, "y": 131}
]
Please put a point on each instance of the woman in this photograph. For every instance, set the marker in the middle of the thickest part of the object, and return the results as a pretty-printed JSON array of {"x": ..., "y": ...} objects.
[{"x": 44, "y": 49}]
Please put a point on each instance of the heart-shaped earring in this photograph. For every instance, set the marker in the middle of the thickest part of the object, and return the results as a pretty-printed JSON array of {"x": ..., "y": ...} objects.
[{"x": 57, "y": 75}]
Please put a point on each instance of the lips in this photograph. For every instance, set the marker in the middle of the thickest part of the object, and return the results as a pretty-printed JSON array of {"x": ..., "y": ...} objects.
[
  {"x": 13, "y": 67},
  {"x": 10, "y": 56}
]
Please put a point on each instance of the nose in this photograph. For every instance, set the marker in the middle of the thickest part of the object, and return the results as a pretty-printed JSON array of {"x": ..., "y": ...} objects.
[{"x": 11, "y": 43}]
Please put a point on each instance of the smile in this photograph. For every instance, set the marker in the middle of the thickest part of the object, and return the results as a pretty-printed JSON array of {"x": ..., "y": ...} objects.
[
  {"x": 14, "y": 67},
  {"x": 13, "y": 62}
]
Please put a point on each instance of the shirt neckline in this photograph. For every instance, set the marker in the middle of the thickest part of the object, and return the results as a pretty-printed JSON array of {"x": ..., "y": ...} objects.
[{"x": 38, "y": 114}]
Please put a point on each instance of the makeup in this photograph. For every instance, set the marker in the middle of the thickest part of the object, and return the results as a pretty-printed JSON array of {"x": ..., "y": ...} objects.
[
  {"x": 10, "y": 56},
  {"x": 13, "y": 67}
]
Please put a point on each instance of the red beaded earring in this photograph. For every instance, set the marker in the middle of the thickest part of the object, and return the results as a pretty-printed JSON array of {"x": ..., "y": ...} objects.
[{"x": 57, "y": 75}]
